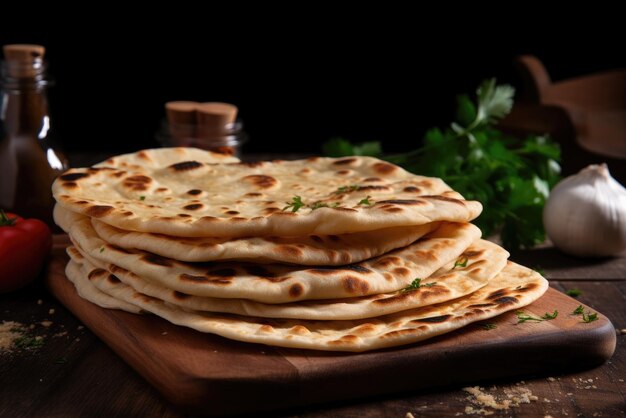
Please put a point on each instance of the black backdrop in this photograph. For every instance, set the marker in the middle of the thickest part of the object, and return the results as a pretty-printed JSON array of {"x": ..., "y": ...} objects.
[{"x": 297, "y": 84}]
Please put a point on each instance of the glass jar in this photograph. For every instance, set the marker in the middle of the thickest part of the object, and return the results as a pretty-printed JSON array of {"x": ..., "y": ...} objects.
[
  {"x": 227, "y": 140},
  {"x": 28, "y": 162}
]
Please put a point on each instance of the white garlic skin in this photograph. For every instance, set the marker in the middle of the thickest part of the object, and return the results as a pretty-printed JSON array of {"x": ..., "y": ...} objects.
[{"x": 585, "y": 214}]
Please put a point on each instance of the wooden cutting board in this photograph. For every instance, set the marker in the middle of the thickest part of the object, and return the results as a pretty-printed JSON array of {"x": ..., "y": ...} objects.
[{"x": 208, "y": 374}]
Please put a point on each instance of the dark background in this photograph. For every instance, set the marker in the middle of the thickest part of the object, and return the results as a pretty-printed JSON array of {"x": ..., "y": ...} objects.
[{"x": 299, "y": 80}]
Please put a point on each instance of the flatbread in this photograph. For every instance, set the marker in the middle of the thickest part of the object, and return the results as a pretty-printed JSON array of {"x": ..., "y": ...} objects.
[
  {"x": 513, "y": 288},
  {"x": 277, "y": 283},
  {"x": 162, "y": 157},
  {"x": 482, "y": 261},
  {"x": 88, "y": 291},
  {"x": 309, "y": 250},
  {"x": 198, "y": 199}
]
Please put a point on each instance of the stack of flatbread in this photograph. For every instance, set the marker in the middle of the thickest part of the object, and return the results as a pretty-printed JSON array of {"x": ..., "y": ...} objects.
[{"x": 348, "y": 254}]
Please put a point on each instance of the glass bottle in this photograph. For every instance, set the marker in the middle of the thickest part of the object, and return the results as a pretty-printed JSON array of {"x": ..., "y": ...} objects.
[{"x": 28, "y": 164}]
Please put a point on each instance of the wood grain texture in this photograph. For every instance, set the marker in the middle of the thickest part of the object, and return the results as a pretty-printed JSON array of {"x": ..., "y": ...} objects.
[{"x": 209, "y": 374}]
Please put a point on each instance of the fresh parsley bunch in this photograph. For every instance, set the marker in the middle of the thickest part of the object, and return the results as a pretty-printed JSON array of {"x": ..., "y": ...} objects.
[{"x": 510, "y": 177}]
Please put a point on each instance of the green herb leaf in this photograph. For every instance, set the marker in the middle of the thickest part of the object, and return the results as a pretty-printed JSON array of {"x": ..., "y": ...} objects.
[
  {"x": 574, "y": 292},
  {"x": 142, "y": 198},
  {"x": 524, "y": 317},
  {"x": 579, "y": 311},
  {"x": 494, "y": 102},
  {"x": 102, "y": 249},
  {"x": 488, "y": 326},
  {"x": 547, "y": 316},
  {"x": 318, "y": 205},
  {"x": 416, "y": 284},
  {"x": 590, "y": 317},
  {"x": 461, "y": 262},
  {"x": 295, "y": 204},
  {"x": 365, "y": 201}
]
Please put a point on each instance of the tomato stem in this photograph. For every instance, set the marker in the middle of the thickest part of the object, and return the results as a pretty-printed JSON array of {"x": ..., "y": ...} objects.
[{"x": 5, "y": 220}]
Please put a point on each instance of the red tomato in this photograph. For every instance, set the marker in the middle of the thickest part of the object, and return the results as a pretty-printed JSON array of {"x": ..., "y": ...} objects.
[{"x": 24, "y": 246}]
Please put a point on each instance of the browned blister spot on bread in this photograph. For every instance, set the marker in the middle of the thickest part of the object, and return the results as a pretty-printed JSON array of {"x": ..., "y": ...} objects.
[
  {"x": 412, "y": 189},
  {"x": 193, "y": 206},
  {"x": 289, "y": 250},
  {"x": 433, "y": 319},
  {"x": 345, "y": 161},
  {"x": 295, "y": 290},
  {"x": 186, "y": 166},
  {"x": 98, "y": 211},
  {"x": 402, "y": 332},
  {"x": 95, "y": 273},
  {"x": 344, "y": 340},
  {"x": 261, "y": 181},
  {"x": 73, "y": 176},
  {"x": 157, "y": 260},
  {"x": 137, "y": 183},
  {"x": 445, "y": 199},
  {"x": 113, "y": 279},
  {"x": 384, "y": 168},
  {"x": 354, "y": 285},
  {"x": 299, "y": 330},
  {"x": 373, "y": 188},
  {"x": 408, "y": 202}
]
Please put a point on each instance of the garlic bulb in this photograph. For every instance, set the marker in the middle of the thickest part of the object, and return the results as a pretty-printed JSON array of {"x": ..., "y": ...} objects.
[{"x": 585, "y": 214}]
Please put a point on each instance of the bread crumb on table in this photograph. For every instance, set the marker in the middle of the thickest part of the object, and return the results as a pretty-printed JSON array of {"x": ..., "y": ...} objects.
[
  {"x": 10, "y": 331},
  {"x": 487, "y": 403}
]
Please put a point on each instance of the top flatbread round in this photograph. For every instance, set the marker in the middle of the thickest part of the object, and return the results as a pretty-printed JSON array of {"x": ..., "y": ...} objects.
[{"x": 194, "y": 198}]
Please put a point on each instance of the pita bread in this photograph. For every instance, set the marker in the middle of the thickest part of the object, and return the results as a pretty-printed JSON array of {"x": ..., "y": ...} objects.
[
  {"x": 484, "y": 261},
  {"x": 198, "y": 199},
  {"x": 277, "y": 283},
  {"x": 310, "y": 250},
  {"x": 513, "y": 288},
  {"x": 90, "y": 292}
]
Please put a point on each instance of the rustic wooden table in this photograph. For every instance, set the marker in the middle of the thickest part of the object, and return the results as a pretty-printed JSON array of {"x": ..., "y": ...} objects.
[{"x": 74, "y": 374}]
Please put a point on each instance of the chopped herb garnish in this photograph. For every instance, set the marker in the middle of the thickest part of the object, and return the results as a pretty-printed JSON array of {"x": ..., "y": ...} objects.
[
  {"x": 524, "y": 317},
  {"x": 488, "y": 326},
  {"x": 319, "y": 204},
  {"x": 461, "y": 262},
  {"x": 575, "y": 292},
  {"x": 579, "y": 311},
  {"x": 347, "y": 189},
  {"x": 28, "y": 342},
  {"x": 295, "y": 205},
  {"x": 540, "y": 270},
  {"x": 365, "y": 201},
  {"x": 102, "y": 249},
  {"x": 590, "y": 317},
  {"x": 416, "y": 284},
  {"x": 142, "y": 198},
  {"x": 547, "y": 316}
]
